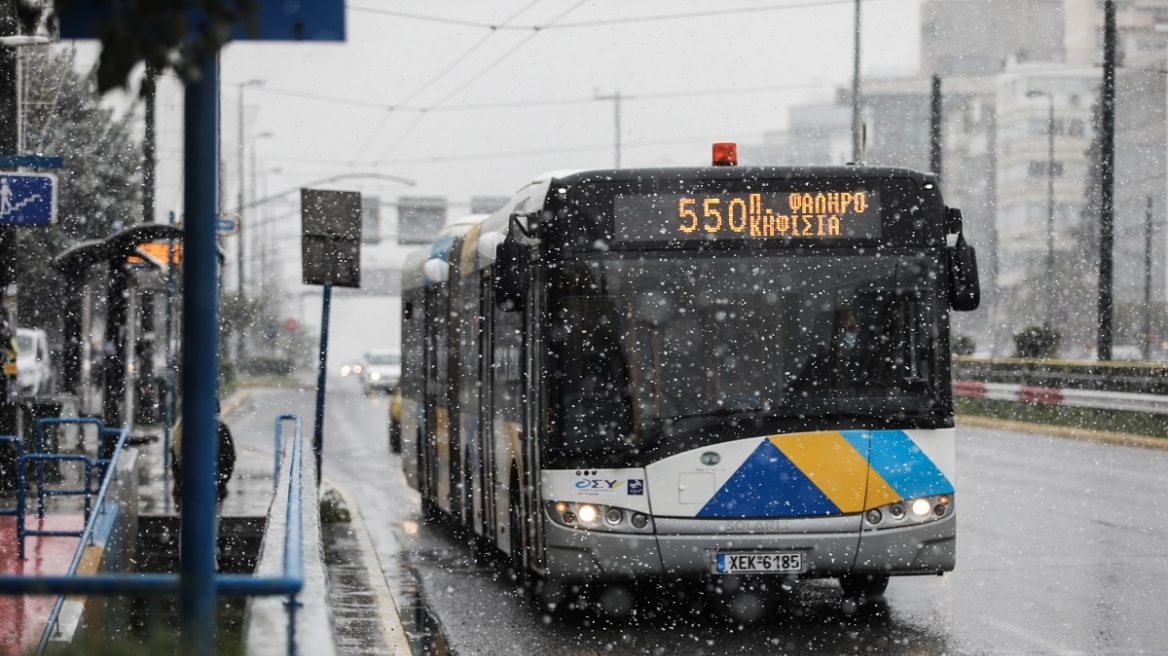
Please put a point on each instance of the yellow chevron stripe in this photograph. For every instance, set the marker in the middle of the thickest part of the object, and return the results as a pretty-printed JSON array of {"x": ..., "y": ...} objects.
[
  {"x": 836, "y": 469},
  {"x": 470, "y": 247}
]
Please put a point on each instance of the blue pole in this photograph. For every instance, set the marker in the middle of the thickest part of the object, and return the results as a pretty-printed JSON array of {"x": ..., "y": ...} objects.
[
  {"x": 168, "y": 397},
  {"x": 200, "y": 332},
  {"x": 318, "y": 433}
]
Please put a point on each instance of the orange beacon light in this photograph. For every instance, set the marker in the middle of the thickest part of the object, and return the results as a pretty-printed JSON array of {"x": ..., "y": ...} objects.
[{"x": 725, "y": 154}]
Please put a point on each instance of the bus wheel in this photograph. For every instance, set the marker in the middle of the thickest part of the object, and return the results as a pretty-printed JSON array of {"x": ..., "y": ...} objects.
[{"x": 863, "y": 586}]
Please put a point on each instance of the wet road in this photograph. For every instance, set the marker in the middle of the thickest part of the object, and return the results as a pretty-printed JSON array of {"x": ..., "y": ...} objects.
[{"x": 1062, "y": 549}]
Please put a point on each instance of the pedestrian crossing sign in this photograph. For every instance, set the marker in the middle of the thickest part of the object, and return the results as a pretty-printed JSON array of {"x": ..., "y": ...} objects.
[{"x": 28, "y": 199}]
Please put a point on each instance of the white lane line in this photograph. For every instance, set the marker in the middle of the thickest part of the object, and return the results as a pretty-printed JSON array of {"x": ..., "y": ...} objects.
[{"x": 1026, "y": 635}]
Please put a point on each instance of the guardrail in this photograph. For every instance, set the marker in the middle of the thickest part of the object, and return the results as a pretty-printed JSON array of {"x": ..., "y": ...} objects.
[
  {"x": 155, "y": 585},
  {"x": 1129, "y": 377},
  {"x": 1075, "y": 398}
]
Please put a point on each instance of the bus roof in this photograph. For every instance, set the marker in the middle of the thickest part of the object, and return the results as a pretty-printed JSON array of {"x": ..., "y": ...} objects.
[{"x": 741, "y": 173}]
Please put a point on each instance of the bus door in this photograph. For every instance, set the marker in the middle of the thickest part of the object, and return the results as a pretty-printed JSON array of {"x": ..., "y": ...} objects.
[
  {"x": 535, "y": 414},
  {"x": 483, "y": 475},
  {"x": 506, "y": 415},
  {"x": 435, "y": 465},
  {"x": 412, "y": 385}
]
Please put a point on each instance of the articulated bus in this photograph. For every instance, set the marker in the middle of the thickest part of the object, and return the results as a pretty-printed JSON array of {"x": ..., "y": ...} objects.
[{"x": 690, "y": 373}]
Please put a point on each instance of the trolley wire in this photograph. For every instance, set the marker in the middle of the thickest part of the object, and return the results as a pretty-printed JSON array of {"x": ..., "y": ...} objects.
[
  {"x": 553, "y": 102},
  {"x": 431, "y": 82},
  {"x": 481, "y": 72},
  {"x": 494, "y": 27}
]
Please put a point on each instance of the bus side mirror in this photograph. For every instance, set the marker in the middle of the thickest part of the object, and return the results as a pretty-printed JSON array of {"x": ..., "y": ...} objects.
[
  {"x": 511, "y": 274},
  {"x": 964, "y": 287}
]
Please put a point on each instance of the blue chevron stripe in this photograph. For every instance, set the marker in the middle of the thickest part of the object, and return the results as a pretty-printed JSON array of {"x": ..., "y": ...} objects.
[
  {"x": 901, "y": 463},
  {"x": 768, "y": 484}
]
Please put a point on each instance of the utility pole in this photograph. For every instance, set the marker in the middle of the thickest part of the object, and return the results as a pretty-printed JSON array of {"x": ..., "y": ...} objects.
[
  {"x": 147, "y": 390},
  {"x": 1148, "y": 280},
  {"x": 1107, "y": 180},
  {"x": 240, "y": 339},
  {"x": 935, "y": 120},
  {"x": 150, "y": 93},
  {"x": 10, "y": 122},
  {"x": 1050, "y": 210},
  {"x": 616, "y": 106},
  {"x": 856, "y": 138}
]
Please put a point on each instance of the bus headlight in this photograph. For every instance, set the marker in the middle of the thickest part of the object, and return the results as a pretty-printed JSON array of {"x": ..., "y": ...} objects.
[
  {"x": 921, "y": 507},
  {"x": 598, "y": 517},
  {"x": 909, "y": 512}
]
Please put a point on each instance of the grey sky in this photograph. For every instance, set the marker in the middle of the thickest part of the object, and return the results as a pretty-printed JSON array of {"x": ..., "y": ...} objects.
[{"x": 388, "y": 59}]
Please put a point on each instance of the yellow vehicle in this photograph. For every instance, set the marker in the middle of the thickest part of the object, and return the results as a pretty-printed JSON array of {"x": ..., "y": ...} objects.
[{"x": 395, "y": 420}]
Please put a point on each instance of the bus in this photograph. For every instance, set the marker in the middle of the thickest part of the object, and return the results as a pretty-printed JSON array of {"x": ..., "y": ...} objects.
[{"x": 693, "y": 373}]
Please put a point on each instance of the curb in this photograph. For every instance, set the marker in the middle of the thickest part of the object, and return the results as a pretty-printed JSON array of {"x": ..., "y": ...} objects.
[
  {"x": 391, "y": 626},
  {"x": 231, "y": 403},
  {"x": 1067, "y": 432}
]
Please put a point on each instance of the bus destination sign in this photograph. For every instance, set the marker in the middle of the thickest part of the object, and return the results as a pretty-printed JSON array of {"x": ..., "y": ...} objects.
[{"x": 819, "y": 215}]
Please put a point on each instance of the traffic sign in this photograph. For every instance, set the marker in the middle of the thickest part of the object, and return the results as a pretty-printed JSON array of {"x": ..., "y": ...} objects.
[
  {"x": 226, "y": 224},
  {"x": 28, "y": 199},
  {"x": 291, "y": 325}
]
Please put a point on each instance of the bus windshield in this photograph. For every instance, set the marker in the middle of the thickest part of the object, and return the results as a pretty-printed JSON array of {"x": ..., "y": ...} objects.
[{"x": 652, "y": 344}]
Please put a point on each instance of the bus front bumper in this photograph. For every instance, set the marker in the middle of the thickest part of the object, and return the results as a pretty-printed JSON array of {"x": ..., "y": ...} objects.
[{"x": 574, "y": 554}]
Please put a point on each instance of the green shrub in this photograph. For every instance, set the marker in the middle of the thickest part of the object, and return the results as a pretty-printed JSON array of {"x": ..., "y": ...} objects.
[
  {"x": 964, "y": 345},
  {"x": 1037, "y": 342},
  {"x": 332, "y": 508}
]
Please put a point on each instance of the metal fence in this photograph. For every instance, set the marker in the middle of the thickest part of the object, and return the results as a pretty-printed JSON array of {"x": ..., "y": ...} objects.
[{"x": 157, "y": 585}]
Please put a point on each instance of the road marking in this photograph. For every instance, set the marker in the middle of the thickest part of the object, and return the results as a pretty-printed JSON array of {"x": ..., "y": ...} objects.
[
  {"x": 1045, "y": 644},
  {"x": 1068, "y": 432}
]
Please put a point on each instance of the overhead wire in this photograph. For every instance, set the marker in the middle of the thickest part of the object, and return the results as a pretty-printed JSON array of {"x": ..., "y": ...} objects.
[
  {"x": 549, "y": 102},
  {"x": 494, "y": 27},
  {"x": 521, "y": 153},
  {"x": 433, "y": 80},
  {"x": 483, "y": 71}
]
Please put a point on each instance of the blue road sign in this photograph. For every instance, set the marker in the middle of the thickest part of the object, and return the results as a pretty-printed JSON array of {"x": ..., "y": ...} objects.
[
  {"x": 28, "y": 199},
  {"x": 226, "y": 224}
]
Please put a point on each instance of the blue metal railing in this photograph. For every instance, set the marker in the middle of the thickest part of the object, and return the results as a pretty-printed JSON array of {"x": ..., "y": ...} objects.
[
  {"x": 279, "y": 429},
  {"x": 39, "y": 457},
  {"x": 22, "y": 530},
  {"x": 236, "y": 585},
  {"x": 86, "y": 534}
]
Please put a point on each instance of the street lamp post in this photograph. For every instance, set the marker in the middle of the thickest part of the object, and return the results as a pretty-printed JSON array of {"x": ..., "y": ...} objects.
[
  {"x": 1049, "y": 284},
  {"x": 254, "y": 188},
  {"x": 1050, "y": 210},
  {"x": 240, "y": 206},
  {"x": 240, "y": 339}
]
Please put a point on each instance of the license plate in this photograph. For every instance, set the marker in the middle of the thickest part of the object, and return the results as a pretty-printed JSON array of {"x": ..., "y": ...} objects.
[{"x": 749, "y": 563}]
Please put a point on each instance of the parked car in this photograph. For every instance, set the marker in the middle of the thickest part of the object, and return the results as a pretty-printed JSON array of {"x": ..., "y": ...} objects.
[
  {"x": 33, "y": 365},
  {"x": 380, "y": 371}
]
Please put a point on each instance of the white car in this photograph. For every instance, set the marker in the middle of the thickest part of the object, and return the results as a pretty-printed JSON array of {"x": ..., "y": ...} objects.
[
  {"x": 33, "y": 366},
  {"x": 380, "y": 371}
]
